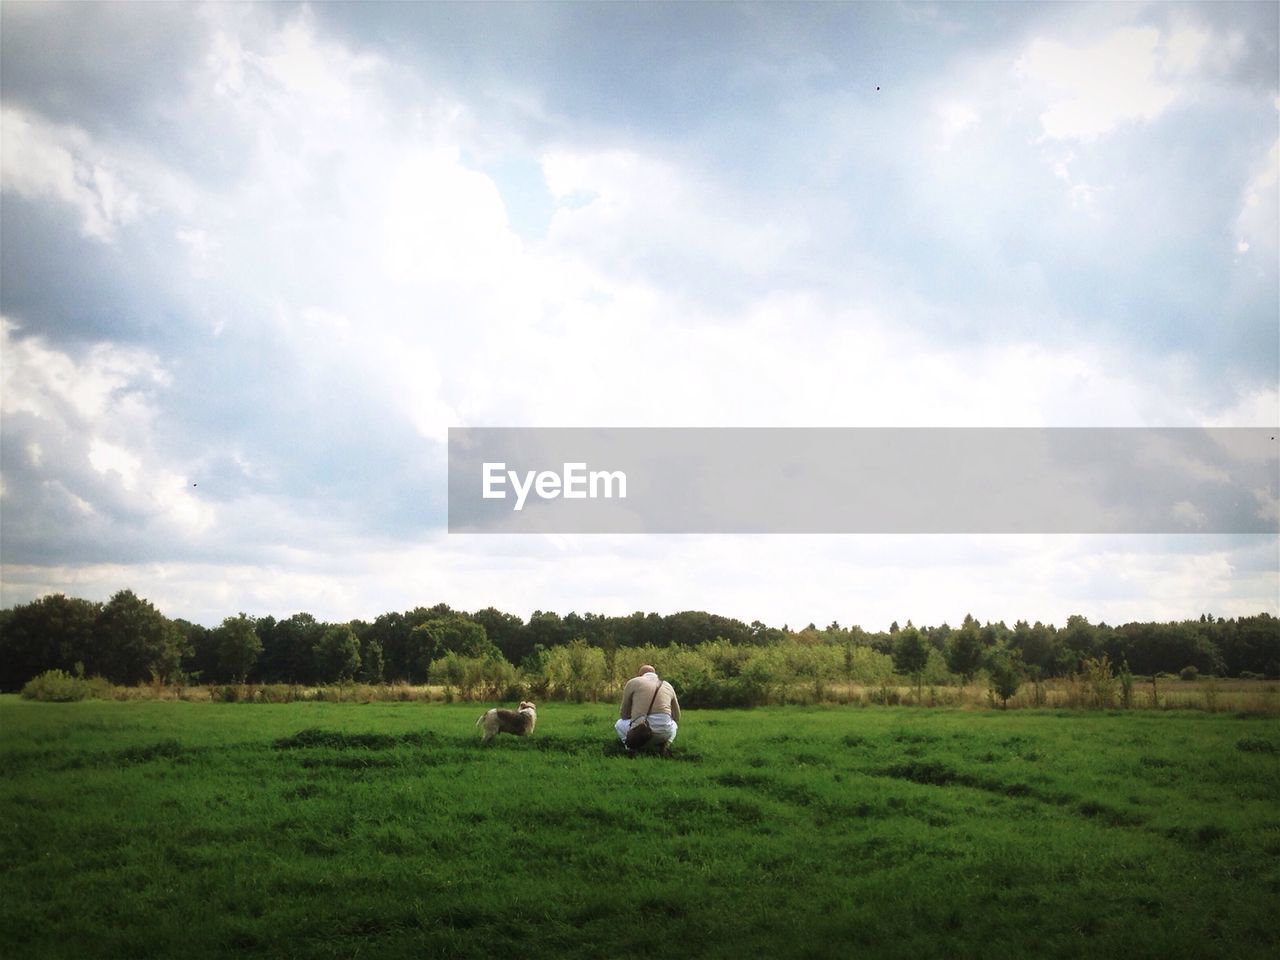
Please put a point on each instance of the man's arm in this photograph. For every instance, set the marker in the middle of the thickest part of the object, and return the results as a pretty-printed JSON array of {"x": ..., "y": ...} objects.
[
  {"x": 675, "y": 706},
  {"x": 625, "y": 712}
]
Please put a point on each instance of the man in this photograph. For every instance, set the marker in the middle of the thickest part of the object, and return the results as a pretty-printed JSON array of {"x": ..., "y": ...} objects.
[{"x": 640, "y": 691}]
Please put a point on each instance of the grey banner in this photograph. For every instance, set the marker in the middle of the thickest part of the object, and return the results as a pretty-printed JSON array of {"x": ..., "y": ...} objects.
[{"x": 888, "y": 480}]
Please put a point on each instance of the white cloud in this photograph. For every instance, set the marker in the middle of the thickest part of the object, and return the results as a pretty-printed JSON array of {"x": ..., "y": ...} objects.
[
  {"x": 866, "y": 580},
  {"x": 96, "y": 412},
  {"x": 43, "y": 160},
  {"x": 444, "y": 223},
  {"x": 1092, "y": 89},
  {"x": 954, "y": 117},
  {"x": 201, "y": 249},
  {"x": 620, "y": 208},
  {"x": 1258, "y": 223},
  {"x": 353, "y": 232},
  {"x": 106, "y": 387},
  {"x": 1185, "y": 49},
  {"x": 1256, "y": 408},
  {"x": 111, "y": 458}
]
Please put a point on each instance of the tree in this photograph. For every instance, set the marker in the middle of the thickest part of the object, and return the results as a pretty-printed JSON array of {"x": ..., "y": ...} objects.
[
  {"x": 391, "y": 632},
  {"x": 1034, "y": 643},
  {"x": 506, "y": 631},
  {"x": 1253, "y": 644},
  {"x": 133, "y": 641},
  {"x": 200, "y": 660},
  {"x": 546, "y": 629},
  {"x": 964, "y": 652},
  {"x": 452, "y": 633},
  {"x": 337, "y": 654},
  {"x": 238, "y": 646},
  {"x": 1079, "y": 639},
  {"x": 910, "y": 655},
  {"x": 1006, "y": 676},
  {"x": 295, "y": 642},
  {"x": 371, "y": 662},
  {"x": 52, "y": 633},
  {"x": 271, "y": 666}
]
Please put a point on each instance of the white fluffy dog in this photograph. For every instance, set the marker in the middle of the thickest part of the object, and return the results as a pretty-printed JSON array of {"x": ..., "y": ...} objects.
[{"x": 498, "y": 720}]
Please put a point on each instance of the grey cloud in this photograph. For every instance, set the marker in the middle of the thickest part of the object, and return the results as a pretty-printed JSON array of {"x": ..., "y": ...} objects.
[
  {"x": 102, "y": 66},
  {"x": 780, "y": 100},
  {"x": 60, "y": 508},
  {"x": 68, "y": 287}
]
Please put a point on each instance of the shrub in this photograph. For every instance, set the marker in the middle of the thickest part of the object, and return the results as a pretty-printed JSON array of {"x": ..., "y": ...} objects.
[
  {"x": 1126, "y": 685},
  {"x": 885, "y": 696},
  {"x": 56, "y": 686},
  {"x": 1099, "y": 682},
  {"x": 1189, "y": 673},
  {"x": 515, "y": 691},
  {"x": 576, "y": 671}
]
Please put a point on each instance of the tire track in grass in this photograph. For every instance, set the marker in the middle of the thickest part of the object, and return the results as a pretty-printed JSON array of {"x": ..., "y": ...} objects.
[
  {"x": 936, "y": 774},
  {"x": 19, "y": 762}
]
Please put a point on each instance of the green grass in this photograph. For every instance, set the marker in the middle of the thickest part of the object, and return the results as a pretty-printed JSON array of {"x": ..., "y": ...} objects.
[{"x": 385, "y": 830}]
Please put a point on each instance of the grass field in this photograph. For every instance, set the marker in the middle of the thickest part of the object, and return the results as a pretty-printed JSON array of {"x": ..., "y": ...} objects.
[{"x": 384, "y": 830}]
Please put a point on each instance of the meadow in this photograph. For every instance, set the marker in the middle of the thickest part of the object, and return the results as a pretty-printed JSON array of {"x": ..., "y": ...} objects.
[{"x": 316, "y": 829}]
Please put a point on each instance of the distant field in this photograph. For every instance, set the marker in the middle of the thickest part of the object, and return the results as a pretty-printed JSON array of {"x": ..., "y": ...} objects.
[{"x": 384, "y": 830}]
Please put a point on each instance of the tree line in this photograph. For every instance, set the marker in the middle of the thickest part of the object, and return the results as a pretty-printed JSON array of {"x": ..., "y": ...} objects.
[{"x": 128, "y": 641}]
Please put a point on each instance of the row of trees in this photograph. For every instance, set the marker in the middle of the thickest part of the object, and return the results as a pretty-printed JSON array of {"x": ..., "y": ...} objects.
[{"x": 127, "y": 641}]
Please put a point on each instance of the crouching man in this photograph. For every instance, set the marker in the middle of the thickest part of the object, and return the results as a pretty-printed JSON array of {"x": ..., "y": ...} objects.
[{"x": 647, "y": 696}]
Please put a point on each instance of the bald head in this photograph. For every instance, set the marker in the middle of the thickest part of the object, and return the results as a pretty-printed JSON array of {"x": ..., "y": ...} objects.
[{"x": 645, "y": 668}]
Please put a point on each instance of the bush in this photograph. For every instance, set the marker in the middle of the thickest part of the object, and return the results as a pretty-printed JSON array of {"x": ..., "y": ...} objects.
[
  {"x": 1126, "y": 685},
  {"x": 56, "y": 686},
  {"x": 1099, "y": 682},
  {"x": 1189, "y": 673},
  {"x": 576, "y": 671}
]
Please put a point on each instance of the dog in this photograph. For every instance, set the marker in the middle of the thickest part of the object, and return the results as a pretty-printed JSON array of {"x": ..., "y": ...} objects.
[{"x": 498, "y": 720}]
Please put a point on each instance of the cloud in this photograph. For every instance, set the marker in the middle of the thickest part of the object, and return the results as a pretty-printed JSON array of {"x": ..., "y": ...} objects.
[
  {"x": 930, "y": 579},
  {"x": 1186, "y": 514},
  {"x": 41, "y": 160},
  {"x": 1093, "y": 88},
  {"x": 81, "y": 474},
  {"x": 1257, "y": 225},
  {"x": 954, "y": 118},
  {"x": 279, "y": 256}
]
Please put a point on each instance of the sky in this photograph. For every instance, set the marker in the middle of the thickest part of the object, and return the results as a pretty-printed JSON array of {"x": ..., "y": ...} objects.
[{"x": 257, "y": 259}]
